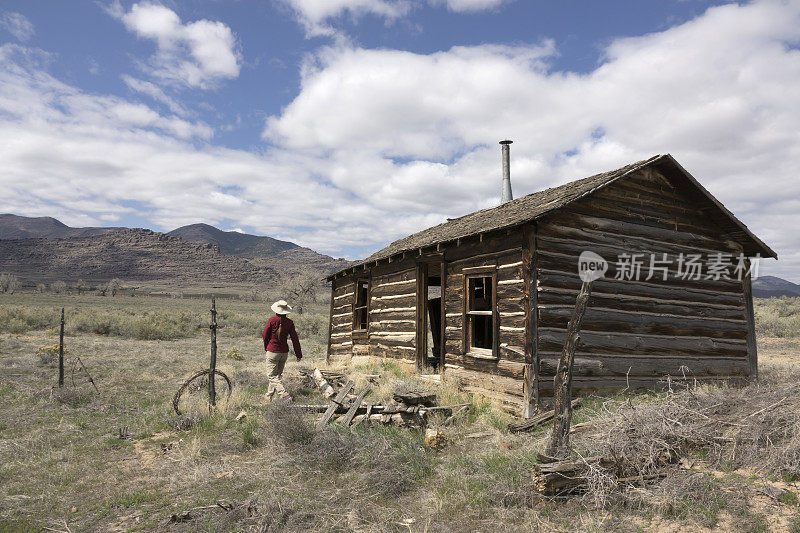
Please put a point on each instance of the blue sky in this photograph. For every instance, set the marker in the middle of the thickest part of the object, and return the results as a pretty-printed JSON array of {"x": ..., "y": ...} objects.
[{"x": 345, "y": 124}]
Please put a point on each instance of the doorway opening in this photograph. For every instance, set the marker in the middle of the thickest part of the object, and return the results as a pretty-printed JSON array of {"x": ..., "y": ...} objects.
[
  {"x": 430, "y": 315},
  {"x": 433, "y": 297}
]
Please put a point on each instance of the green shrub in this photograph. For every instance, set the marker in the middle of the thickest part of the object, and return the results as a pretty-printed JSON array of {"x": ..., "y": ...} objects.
[
  {"x": 777, "y": 317},
  {"x": 149, "y": 318},
  {"x": 794, "y": 525},
  {"x": 789, "y": 498},
  {"x": 19, "y": 319},
  {"x": 250, "y": 433}
]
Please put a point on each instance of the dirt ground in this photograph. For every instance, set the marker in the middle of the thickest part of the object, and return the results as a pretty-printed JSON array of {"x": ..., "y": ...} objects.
[
  {"x": 65, "y": 467},
  {"x": 778, "y": 352}
]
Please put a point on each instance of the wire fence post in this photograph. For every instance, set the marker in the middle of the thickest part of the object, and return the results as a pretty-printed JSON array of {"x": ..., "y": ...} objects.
[
  {"x": 212, "y": 393},
  {"x": 61, "y": 352}
]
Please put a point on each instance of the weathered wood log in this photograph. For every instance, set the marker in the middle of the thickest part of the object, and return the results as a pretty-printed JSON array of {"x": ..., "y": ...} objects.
[
  {"x": 634, "y": 303},
  {"x": 335, "y": 404},
  {"x": 415, "y": 397},
  {"x": 559, "y": 278},
  {"x": 332, "y": 376},
  {"x": 351, "y": 412},
  {"x": 554, "y": 477},
  {"x": 388, "y": 326},
  {"x": 752, "y": 348},
  {"x": 664, "y": 243},
  {"x": 365, "y": 416},
  {"x": 564, "y": 259},
  {"x": 652, "y": 366},
  {"x": 343, "y": 407},
  {"x": 402, "y": 353},
  {"x": 498, "y": 367},
  {"x": 330, "y": 322},
  {"x": 642, "y": 322},
  {"x": 322, "y": 384},
  {"x": 562, "y": 383},
  {"x": 553, "y": 339},
  {"x": 537, "y": 420},
  {"x": 417, "y": 420},
  {"x": 560, "y": 478}
]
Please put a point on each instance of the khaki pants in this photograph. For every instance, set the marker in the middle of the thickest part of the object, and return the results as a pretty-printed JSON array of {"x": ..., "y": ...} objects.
[{"x": 275, "y": 364}]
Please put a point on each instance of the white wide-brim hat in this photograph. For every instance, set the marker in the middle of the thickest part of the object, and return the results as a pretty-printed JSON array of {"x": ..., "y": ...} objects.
[{"x": 281, "y": 307}]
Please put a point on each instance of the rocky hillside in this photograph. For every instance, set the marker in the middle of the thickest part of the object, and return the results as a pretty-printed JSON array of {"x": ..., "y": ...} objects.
[
  {"x": 128, "y": 254},
  {"x": 233, "y": 242},
  {"x": 773, "y": 286},
  {"x": 263, "y": 251},
  {"x": 18, "y": 227},
  {"x": 43, "y": 247}
]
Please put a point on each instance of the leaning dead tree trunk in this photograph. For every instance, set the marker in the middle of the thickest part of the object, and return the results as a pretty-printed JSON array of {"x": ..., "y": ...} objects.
[
  {"x": 212, "y": 391},
  {"x": 562, "y": 383},
  {"x": 61, "y": 352}
]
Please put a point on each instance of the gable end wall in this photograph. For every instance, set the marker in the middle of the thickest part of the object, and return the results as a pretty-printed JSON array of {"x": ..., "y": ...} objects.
[{"x": 636, "y": 333}]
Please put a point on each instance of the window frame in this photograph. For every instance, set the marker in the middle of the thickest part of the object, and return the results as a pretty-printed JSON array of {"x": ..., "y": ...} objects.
[
  {"x": 361, "y": 308},
  {"x": 470, "y": 350}
]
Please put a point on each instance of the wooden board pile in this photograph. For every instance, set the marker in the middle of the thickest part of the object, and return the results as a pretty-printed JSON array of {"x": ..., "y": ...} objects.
[
  {"x": 554, "y": 477},
  {"x": 410, "y": 408}
]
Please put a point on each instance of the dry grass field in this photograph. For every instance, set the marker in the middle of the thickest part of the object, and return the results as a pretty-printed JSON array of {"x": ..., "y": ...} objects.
[{"x": 64, "y": 467}]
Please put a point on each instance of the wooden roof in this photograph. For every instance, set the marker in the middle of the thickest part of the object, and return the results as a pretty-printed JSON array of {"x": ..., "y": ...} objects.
[{"x": 538, "y": 204}]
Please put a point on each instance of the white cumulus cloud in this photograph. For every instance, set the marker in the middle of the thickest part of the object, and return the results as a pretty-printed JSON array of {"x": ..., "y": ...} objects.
[
  {"x": 415, "y": 134},
  {"x": 470, "y": 6},
  {"x": 155, "y": 92},
  {"x": 316, "y": 15},
  {"x": 195, "y": 54},
  {"x": 17, "y": 25},
  {"x": 378, "y": 144}
]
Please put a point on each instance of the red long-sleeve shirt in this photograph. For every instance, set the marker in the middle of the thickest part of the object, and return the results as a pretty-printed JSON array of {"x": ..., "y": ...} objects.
[{"x": 274, "y": 343}]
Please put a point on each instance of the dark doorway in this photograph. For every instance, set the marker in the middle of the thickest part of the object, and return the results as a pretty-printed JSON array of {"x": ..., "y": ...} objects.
[
  {"x": 434, "y": 333},
  {"x": 430, "y": 323}
]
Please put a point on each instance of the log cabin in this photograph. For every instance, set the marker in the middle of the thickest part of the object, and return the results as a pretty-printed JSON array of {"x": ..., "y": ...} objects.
[{"x": 487, "y": 296}]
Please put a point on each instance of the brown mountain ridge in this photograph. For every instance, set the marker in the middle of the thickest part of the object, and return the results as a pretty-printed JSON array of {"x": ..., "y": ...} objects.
[{"x": 45, "y": 248}]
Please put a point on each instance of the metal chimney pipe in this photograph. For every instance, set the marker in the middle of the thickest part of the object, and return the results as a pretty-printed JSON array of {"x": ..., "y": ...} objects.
[{"x": 506, "y": 194}]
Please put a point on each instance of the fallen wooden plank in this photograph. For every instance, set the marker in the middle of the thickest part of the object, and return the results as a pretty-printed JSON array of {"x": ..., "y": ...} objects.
[
  {"x": 527, "y": 425},
  {"x": 553, "y": 477},
  {"x": 479, "y": 435},
  {"x": 449, "y": 420},
  {"x": 343, "y": 407},
  {"x": 313, "y": 408},
  {"x": 365, "y": 416},
  {"x": 348, "y": 418},
  {"x": 336, "y": 403},
  {"x": 322, "y": 384},
  {"x": 415, "y": 397},
  {"x": 445, "y": 407}
]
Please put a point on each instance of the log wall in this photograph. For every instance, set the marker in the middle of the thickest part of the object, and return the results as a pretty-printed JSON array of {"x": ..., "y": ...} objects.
[
  {"x": 340, "y": 339},
  {"x": 498, "y": 376},
  {"x": 635, "y": 333},
  {"x": 393, "y": 311}
]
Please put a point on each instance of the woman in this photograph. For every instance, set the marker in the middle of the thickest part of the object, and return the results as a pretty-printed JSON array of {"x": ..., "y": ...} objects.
[{"x": 275, "y": 334}]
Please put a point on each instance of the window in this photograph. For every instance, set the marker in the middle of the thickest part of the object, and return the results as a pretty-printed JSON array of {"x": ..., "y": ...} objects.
[
  {"x": 480, "y": 315},
  {"x": 360, "y": 310}
]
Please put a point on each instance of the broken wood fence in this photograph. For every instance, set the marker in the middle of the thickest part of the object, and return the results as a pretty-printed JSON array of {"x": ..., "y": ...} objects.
[
  {"x": 61, "y": 352},
  {"x": 212, "y": 391},
  {"x": 211, "y": 372},
  {"x": 411, "y": 409},
  {"x": 75, "y": 362}
]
